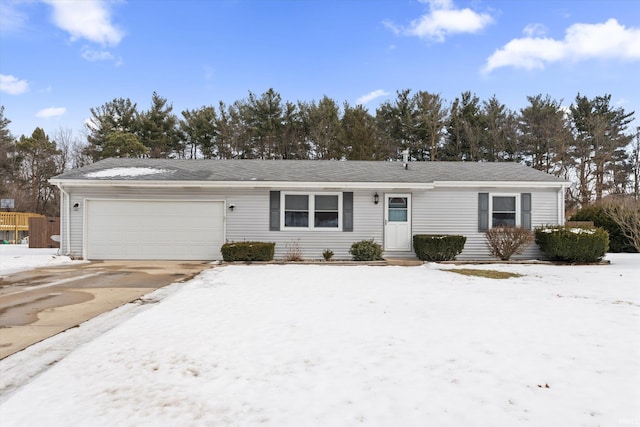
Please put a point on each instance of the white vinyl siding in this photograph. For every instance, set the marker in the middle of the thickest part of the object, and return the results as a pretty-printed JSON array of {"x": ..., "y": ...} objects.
[
  {"x": 249, "y": 220},
  {"x": 455, "y": 211},
  {"x": 438, "y": 211}
]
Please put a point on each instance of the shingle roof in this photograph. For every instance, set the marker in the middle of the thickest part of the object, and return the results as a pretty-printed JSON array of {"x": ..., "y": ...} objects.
[{"x": 307, "y": 171}]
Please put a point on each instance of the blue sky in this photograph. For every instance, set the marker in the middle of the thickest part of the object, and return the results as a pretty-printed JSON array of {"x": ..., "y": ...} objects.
[{"x": 59, "y": 58}]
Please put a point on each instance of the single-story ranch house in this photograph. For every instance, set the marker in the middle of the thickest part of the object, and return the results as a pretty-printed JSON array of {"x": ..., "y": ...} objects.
[{"x": 186, "y": 209}]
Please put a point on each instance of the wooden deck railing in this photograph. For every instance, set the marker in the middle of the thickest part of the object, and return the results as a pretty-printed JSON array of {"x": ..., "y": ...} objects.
[{"x": 16, "y": 222}]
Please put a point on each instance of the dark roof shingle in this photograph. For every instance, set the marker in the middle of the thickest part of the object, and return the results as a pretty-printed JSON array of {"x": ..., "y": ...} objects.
[{"x": 307, "y": 171}]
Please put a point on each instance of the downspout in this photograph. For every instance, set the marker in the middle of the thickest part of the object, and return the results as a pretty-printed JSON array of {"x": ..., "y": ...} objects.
[
  {"x": 561, "y": 207},
  {"x": 67, "y": 219}
]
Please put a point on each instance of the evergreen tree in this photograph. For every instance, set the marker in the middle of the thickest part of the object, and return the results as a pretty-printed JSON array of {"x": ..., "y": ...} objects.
[
  {"x": 37, "y": 164},
  {"x": 200, "y": 132},
  {"x": 119, "y": 115},
  {"x": 396, "y": 121},
  {"x": 359, "y": 136},
  {"x": 8, "y": 156},
  {"x": 264, "y": 117},
  {"x": 227, "y": 131},
  {"x": 293, "y": 141},
  {"x": 500, "y": 136},
  {"x": 429, "y": 122},
  {"x": 599, "y": 143},
  {"x": 545, "y": 135},
  {"x": 464, "y": 129},
  {"x": 123, "y": 144},
  {"x": 158, "y": 129},
  {"x": 322, "y": 128}
]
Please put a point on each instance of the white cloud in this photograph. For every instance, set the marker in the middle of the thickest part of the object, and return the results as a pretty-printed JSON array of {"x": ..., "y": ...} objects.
[
  {"x": 86, "y": 19},
  {"x": 50, "y": 112},
  {"x": 608, "y": 40},
  {"x": 96, "y": 55},
  {"x": 365, "y": 99},
  {"x": 12, "y": 85},
  {"x": 442, "y": 20},
  {"x": 533, "y": 30}
]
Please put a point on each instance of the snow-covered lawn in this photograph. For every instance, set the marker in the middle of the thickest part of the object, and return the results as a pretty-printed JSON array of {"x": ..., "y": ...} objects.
[
  {"x": 14, "y": 258},
  {"x": 305, "y": 345}
]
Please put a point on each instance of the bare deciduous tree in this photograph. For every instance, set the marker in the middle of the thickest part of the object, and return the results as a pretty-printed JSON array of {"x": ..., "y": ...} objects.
[{"x": 625, "y": 211}]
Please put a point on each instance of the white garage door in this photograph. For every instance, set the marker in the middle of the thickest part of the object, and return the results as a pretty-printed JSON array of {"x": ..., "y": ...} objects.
[{"x": 140, "y": 229}]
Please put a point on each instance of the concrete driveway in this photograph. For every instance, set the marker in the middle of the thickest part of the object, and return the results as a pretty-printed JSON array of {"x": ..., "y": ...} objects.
[{"x": 37, "y": 304}]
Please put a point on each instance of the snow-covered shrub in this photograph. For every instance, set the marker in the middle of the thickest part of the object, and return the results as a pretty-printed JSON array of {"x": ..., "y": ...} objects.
[
  {"x": 436, "y": 247},
  {"x": 504, "y": 242},
  {"x": 248, "y": 251},
  {"x": 366, "y": 250},
  {"x": 573, "y": 244}
]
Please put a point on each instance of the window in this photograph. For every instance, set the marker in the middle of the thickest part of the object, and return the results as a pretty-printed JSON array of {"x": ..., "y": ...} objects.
[
  {"x": 500, "y": 210},
  {"x": 326, "y": 211},
  {"x": 504, "y": 210},
  {"x": 398, "y": 209},
  {"x": 503, "y": 213},
  {"x": 296, "y": 210},
  {"x": 311, "y": 211}
]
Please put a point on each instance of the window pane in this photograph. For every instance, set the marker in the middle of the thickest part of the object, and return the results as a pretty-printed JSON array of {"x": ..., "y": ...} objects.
[
  {"x": 398, "y": 202},
  {"x": 296, "y": 219},
  {"x": 326, "y": 203},
  {"x": 398, "y": 215},
  {"x": 504, "y": 204},
  {"x": 326, "y": 219},
  {"x": 296, "y": 202},
  {"x": 504, "y": 219}
]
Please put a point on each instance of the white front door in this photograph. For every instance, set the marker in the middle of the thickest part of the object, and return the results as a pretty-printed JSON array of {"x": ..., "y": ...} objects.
[{"x": 397, "y": 222}]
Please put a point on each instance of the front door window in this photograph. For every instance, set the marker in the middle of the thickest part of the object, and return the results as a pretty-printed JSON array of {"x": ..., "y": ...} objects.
[{"x": 398, "y": 209}]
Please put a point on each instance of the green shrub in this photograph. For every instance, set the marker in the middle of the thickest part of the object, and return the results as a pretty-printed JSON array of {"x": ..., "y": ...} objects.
[
  {"x": 327, "y": 254},
  {"x": 573, "y": 244},
  {"x": 435, "y": 247},
  {"x": 618, "y": 242},
  {"x": 366, "y": 250},
  {"x": 248, "y": 251}
]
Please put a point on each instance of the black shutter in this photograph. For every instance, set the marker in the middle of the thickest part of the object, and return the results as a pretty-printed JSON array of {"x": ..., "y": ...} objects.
[
  {"x": 525, "y": 209},
  {"x": 347, "y": 211},
  {"x": 274, "y": 211},
  {"x": 483, "y": 211}
]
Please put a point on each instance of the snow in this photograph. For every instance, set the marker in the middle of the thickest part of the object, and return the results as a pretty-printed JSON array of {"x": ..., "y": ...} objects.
[
  {"x": 133, "y": 171},
  {"x": 14, "y": 258},
  {"x": 322, "y": 345}
]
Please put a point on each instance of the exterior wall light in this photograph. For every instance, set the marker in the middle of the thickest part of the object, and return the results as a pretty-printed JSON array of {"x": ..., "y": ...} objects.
[
  {"x": 232, "y": 207},
  {"x": 376, "y": 198},
  {"x": 76, "y": 206}
]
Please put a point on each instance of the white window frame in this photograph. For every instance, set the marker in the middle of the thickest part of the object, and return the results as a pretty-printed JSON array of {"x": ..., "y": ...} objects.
[
  {"x": 312, "y": 210},
  {"x": 518, "y": 207}
]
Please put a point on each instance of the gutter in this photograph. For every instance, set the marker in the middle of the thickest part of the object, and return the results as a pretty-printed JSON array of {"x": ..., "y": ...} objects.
[{"x": 382, "y": 185}]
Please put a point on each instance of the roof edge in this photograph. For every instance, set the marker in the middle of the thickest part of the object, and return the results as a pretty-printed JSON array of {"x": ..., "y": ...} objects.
[
  {"x": 305, "y": 184},
  {"x": 530, "y": 184}
]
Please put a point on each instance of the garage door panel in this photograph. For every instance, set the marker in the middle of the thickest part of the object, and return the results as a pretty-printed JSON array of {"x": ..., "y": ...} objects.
[{"x": 138, "y": 229}]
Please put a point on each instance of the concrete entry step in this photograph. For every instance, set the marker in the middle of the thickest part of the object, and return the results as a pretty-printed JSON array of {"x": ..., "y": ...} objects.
[{"x": 405, "y": 262}]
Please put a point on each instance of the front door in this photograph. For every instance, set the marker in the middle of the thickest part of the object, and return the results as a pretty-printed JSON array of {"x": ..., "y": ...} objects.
[{"x": 397, "y": 222}]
